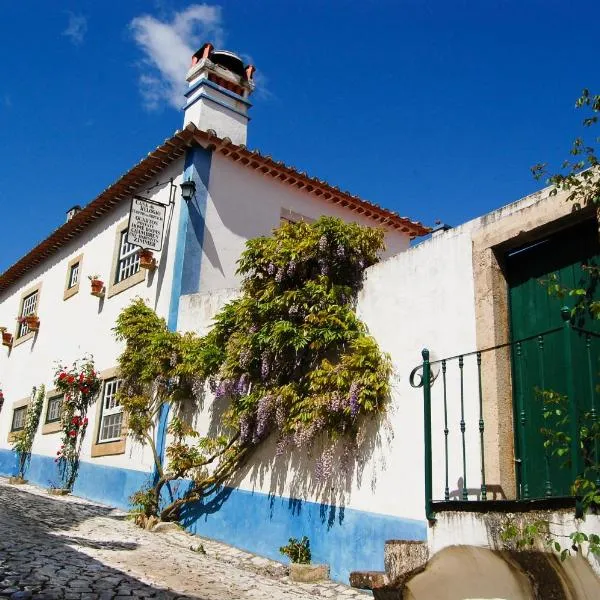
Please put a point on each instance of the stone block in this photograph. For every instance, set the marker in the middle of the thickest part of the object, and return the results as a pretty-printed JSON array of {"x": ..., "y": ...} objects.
[
  {"x": 402, "y": 558},
  {"x": 368, "y": 580},
  {"x": 308, "y": 573}
]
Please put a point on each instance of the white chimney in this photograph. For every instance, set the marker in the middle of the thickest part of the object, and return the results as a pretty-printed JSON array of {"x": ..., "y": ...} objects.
[{"x": 217, "y": 98}]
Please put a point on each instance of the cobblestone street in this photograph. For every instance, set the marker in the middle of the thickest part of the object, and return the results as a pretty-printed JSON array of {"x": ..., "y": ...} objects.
[{"x": 66, "y": 547}]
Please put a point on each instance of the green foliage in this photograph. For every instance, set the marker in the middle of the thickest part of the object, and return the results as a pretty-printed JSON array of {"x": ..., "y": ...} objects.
[
  {"x": 23, "y": 440},
  {"x": 80, "y": 385},
  {"x": 579, "y": 174},
  {"x": 298, "y": 551},
  {"x": 524, "y": 535},
  {"x": 288, "y": 357}
]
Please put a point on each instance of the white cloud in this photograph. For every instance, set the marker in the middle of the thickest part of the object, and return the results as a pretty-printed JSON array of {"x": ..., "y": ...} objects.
[
  {"x": 168, "y": 47},
  {"x": 76, "y": 28}
]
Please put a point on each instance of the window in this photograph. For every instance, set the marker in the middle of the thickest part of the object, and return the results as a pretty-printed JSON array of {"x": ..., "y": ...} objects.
[
  {"x": 111, "y": 420},
  {"x": 289, "y": 216},
  {"x": 18, "y": 421},
  {"x": 129, "y": 261},
  {"x": 53, "y": 412},
  {"x": 28, "y": 307},
  {"x": 73, "y": 276}
]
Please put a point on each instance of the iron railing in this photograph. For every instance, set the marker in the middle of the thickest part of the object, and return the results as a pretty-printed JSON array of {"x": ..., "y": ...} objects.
[{"x": 530, "y": 359}]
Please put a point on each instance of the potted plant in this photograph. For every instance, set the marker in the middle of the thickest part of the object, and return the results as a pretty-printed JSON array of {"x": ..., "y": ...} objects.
[
  {"x": 7, "y": 338},
  {"x": 32, "y": 321},
  {"x": 301, "y": 569},
  {"x": 147, "y": 260},
  {"x": 97, "y": 286}
]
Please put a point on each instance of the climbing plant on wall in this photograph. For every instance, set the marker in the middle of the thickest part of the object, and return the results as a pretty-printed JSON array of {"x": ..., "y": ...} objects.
[
  {"x": 79, "y": 385},
  {"x": 23, "y": 440},
  {"x": 288, "y": 358}
]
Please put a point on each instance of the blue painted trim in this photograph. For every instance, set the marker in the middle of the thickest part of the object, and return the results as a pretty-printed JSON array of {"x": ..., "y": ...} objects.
[
  {"x": 109, "y": 485},
  {"x": 200, "y": 96},
  {"x": 188, "y": 258},
  {"x": 345, "y": 538},
  {"x": 198, "y": 169},
  {"x": 216, "y": 86}
]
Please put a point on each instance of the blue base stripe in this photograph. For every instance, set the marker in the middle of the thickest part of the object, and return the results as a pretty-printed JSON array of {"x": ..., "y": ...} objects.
[{"x": 345, "y": 538}]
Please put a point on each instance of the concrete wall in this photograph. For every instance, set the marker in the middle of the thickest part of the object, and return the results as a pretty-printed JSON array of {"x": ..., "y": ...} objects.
[{"x": 79, "y": 325}]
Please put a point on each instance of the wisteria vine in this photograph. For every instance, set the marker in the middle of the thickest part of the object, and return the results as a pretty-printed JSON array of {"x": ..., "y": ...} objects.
[{"x": 288, "y": 358}]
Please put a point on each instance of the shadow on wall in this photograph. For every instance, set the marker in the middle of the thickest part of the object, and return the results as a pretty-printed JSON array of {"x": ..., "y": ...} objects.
[{"x": 315, "y": 472}]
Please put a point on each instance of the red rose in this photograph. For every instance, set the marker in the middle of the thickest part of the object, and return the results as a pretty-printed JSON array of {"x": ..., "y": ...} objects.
[
  {"x": 72, "y": 433},
  {"x": 62, "y": 376},
  {"x": 70, "y": 379},
  {"x": 75, "y": 420},
  {"x": 85, "y": 421}
]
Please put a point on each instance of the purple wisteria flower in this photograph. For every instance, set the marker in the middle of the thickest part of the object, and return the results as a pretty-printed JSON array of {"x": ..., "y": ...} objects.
[
  {"x": 245, "y": 357},
  {"x": 294, "y": 309},
  {"x": 241, "y": 386},
  {"x": 280, "y": 274},
  {"x": 292, "y": 267},
  {"x": 323, "y": 243},
  {"x": 173, "y": 359},
  {"x": 340, "y": 251},
  {"x": 271, "y": 269},
  {"x": 265, "y": 365},
  {"x": 353, "y": 399},
  {"x": 281, "y": 446},
  {"x": 264, "y": 415},
  {"x": 245, "y": 432},
  {"x": 324, "y": 465}
]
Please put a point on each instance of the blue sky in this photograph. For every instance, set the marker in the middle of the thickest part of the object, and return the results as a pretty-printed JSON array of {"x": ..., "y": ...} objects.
[{"x": 435, "y": 109}]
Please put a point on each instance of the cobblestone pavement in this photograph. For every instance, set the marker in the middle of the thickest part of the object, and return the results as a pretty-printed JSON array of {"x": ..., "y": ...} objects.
[{"x": 69, "y": 548}]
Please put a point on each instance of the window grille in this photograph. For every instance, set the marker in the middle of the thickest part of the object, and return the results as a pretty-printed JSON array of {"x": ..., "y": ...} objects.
[
  {"x": 112, "y": 413},
  {"x": 54, "y": 409},
  {"x": 18, "y": 420},
  {"x": 74, "y": 275},
  {"x": 29, "y": 306},
  {"x": 129, "y": 260}
]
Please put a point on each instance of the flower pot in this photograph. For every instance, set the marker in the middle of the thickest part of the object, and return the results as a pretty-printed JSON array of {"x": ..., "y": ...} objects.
[
  {"x": 147, "y": 260},
  {"x": 59, "y": 491},
  {"x": 97, "y": 288},
  {"x": 17, "y": 480},
  {"x": 33, "y": 322},
  {"x": 308, "y": 573},
  {"x": 7, "y": 339}
]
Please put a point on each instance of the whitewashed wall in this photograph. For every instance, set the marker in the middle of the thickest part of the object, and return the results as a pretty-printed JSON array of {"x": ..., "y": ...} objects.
[
  {"x": 423, "y": 297},
  {"x": 83, "y": 323},
  {"x": 243, "y": 204}
]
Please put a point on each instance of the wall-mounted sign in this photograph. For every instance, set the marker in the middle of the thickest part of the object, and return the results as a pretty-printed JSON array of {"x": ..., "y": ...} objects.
[{"x": 146, "y": 223}]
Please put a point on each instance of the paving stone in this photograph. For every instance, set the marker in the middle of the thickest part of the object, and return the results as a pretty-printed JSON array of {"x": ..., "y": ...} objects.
[{"x": 66, "y": 548}]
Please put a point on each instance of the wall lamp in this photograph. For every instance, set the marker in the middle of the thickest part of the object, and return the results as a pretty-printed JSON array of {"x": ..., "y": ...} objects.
[{"x": 188, "y": 189}]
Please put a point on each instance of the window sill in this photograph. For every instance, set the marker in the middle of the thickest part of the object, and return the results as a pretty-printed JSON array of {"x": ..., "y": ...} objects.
[
  {"x": 23, "y": 338},
  {"x": 108, "y": 448},
  {"x": 53, "y": 427},
  {"x": 117, "y": 288},
  {"x": 70, "y": 292}
]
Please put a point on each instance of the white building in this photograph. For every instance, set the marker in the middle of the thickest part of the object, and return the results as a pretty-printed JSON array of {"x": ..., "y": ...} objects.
[{"x": 239, "y": 194}]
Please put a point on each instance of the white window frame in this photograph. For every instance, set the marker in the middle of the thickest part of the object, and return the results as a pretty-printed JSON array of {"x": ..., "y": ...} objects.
[
  {"x": 128, "y": 262},
  {"x": 28, "y": 307},
  {"x": 110, "y": 408},
  {"x": 73, "y": 275},
  {"x": 51, "y": 401},
  {"x": 18, "y": 410}
]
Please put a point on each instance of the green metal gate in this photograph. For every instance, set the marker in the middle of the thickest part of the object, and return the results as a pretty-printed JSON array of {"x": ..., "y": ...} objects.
[{"x": 557, "y": 352}]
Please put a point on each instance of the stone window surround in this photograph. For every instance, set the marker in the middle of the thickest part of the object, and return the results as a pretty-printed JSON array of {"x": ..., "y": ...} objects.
[
  {"x": 71, "y": 291},
  {"x": 16, "y": 404},
  {"x": 54, "y": 426},
  {"x": 547, "y": 215},
  {"x": 116, "y": 288},
  {"x": 30, "y": 335},
  {"x": 293, "y": 217},
  {"x": 106, "y": 448}
]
